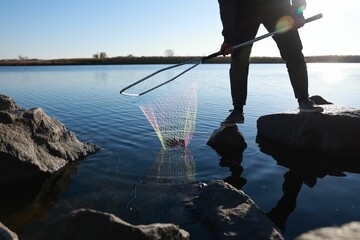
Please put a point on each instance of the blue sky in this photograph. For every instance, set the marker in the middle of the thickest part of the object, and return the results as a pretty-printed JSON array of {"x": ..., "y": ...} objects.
[{"x": 50, "y": 29}]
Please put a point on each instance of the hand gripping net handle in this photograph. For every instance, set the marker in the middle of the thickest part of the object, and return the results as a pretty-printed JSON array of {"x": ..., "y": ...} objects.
[{"x": 198, "y": 61}]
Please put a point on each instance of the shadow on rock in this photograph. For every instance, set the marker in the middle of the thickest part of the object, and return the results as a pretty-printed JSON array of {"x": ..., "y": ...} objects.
[{"x": 303, "y": 168}]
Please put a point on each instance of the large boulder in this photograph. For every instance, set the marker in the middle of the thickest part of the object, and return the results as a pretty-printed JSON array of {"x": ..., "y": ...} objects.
[
  {"x": 90, "y": 224},
  {"x": 33, "y": 144},
  {"x": 231, "y": 214},
  {"x": 335, "y": 130}
]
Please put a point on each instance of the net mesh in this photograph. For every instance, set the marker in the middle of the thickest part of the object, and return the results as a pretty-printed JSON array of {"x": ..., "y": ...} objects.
[
  {"x": 173, "y": 166},
  {"x": 160, "y": 196},
  {"x": 173, "y": 116}
]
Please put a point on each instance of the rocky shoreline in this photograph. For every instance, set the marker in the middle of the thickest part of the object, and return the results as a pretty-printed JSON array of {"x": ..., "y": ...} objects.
[
  {"x": 35, "y": 147},
  {"x": 33, "y": 144}
]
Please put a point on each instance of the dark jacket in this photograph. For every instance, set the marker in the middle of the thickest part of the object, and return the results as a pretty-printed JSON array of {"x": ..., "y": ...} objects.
[{"x": 229, "y": 8}]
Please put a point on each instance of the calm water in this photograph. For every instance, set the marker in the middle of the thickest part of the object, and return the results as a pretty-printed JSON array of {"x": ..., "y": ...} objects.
[{"x": 87, "y": 100}]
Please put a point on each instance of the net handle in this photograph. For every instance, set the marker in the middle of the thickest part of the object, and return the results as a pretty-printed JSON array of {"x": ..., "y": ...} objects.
[
  {"x": 244, "y": 44},
  {"x": 197, "y": 61},
  {"x": 172, "y": 79}
]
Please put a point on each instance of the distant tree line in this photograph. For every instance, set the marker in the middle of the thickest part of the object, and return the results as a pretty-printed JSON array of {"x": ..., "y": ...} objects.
[{"x": 130, "y": 59}]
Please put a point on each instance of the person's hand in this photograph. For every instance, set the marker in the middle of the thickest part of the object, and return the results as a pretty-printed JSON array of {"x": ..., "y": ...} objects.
[
  {"x": 299, "y": 21},
  {"x": 297, "y": 13},
  {"x": 226, "y": 49}
]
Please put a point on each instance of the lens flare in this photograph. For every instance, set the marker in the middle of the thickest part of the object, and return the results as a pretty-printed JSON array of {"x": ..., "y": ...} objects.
[
  {"x": 284, "y": 24},
  {"x": 301, "y": 9}
]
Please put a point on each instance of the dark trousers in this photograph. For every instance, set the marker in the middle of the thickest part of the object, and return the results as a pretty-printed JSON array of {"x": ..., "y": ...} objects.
[{"x": 289, "y": 45}]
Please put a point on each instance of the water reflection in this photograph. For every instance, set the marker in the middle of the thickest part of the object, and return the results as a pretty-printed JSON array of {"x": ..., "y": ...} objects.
[
  {"x": 162, "y": 195},
  {"x": 303, "y": 168},
  {"x": 230, "y": 144},
  {"x": 175, "y": 165},
  {"x": 27, "y": 202}
]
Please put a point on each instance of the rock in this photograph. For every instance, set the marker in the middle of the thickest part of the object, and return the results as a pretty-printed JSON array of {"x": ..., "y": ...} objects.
[
  {"x": 33, "y": 144},
  {"x": 230, "y": 214},
  {"x": 90, "y": 224},
  {"x": 349, "y": 231},
  {"x": 7, "y": 234},
  {"x": 7, "y": 103},
  {"x": 337, "y": 129},
  {"x": 227, "y": 138},
  {"x": 230, "y": 144},
  {"x": 319, "y": 100}
]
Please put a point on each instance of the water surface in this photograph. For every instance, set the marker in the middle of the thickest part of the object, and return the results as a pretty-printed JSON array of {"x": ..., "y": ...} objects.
[{"x": 86, "y": 100}]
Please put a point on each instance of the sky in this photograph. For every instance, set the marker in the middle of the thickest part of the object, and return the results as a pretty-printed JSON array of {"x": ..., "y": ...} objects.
[{"x": 50, "y": 29}]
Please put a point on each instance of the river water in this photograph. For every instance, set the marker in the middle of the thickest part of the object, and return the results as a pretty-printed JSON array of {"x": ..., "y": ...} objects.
[{"x": 140, "y": 182}]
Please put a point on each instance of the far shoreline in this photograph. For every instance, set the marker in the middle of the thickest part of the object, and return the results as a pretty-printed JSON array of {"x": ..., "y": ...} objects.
[{"x": 127, "y": 60}]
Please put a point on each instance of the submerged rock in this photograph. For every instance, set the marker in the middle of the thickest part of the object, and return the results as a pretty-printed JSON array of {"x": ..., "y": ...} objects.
[
  {"x": 90, "y": 224},
  {"x": 33, "y": 144},
  {"x": 337, "y": 129}
]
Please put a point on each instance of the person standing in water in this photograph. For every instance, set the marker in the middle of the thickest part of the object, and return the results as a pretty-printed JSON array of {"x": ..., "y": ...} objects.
[{"x": 241, "y": 20}]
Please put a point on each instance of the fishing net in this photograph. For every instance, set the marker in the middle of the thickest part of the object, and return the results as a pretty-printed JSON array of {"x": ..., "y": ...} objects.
[
  {"x": 161, "y": 195},
  {"x": 173, "y": 117},
  {"x": 174, "y": 165},
  {"x": 170, "y": 109}
]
